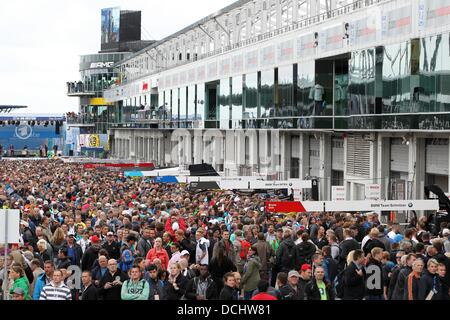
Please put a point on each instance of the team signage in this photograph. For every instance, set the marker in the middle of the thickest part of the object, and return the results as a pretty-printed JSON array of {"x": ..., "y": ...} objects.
[
  {"x": 338, "y": 193},
  {"x": 351, "y": 206}
]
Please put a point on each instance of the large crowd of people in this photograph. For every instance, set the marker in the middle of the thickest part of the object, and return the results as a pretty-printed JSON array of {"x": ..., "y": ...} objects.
[{"x": 96, "y": 235}]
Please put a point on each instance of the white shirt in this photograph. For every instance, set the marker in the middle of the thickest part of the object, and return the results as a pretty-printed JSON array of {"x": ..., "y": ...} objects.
[
  {"x": 364, "y": 240},
  {"x": 175, "y": 258},
  {"x": 391, "y": 235},
  {"x": 199, "y": 252}
]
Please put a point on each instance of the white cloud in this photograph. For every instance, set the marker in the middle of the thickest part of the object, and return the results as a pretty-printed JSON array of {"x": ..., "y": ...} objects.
[{"x": 41, "y": 41}]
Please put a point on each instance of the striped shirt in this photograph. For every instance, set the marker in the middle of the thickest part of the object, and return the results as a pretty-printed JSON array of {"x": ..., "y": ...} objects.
[{"x": 52, "y": 292}]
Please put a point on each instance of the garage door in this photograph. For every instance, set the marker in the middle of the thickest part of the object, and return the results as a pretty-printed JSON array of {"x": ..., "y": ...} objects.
[
  {"x": 399, "y": 155},
  {"x": 437, "y": 156},
  {"x": 314, "y": 156}
]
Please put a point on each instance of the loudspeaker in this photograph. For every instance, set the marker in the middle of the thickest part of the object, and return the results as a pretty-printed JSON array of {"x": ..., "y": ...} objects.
[{"x": 315, "y": 190}]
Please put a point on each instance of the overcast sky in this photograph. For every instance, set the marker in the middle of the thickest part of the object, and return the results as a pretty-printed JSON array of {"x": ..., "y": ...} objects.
[{"x": 41, "y": 41}]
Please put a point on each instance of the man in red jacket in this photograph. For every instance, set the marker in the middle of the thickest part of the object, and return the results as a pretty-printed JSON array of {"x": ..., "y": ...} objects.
[{"x": 175, "y": 222}]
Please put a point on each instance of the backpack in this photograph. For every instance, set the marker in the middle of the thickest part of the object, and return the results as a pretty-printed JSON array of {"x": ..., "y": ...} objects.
[
  {"x": 126, "y": 260},
  {"x": 245, "y": 245},
  {"x": 339, "y": 284}
]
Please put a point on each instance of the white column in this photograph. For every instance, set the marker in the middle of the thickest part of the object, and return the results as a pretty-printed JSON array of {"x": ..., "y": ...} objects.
[
  {"x": 325, "y": 167},
  {"x": 304, "y": 155},
  {"x": 383, "y": 164}
]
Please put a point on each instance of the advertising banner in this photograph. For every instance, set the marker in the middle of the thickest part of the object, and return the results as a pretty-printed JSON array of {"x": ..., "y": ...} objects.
[
  {"x": 286, "y": 51},
  {"x": 338, "y": 193},
  {"x": 110, "y": 25},
  {"x": 331, "y": 38},
  {"x": 372, "y": 192},
  {"x": 10, "y": 230},
  {"x": 389, "y": 205},
  {"x": 396, "y": 22},
  {"x": 93, "y": 142},
  {"x": 305, "y": 46}
]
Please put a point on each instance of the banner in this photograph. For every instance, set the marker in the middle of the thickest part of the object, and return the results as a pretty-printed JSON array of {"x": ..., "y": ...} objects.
[
  {"x": 12, "y": 235},
  {"x": 352, "y": 206},
  {"x": 338, "y": 193},
  {"x": 372, "y": 192},
  {"x": 389, "y": 205}
]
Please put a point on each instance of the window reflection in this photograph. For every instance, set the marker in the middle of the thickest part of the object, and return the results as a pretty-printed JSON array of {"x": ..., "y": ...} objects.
[
  {"x": 285, "y": 92},
  {"x": 251, "y": 96},
  {"x": 236, "y": 101},
  {"x": 305, "y": 82},
  {"x": 266, "y": 93},
  {"x": 361, "y": 83},
  {"x": 200, "y": 108},
  {"x": 224, "y": 103},
  {"x": 396, "y": 78}
]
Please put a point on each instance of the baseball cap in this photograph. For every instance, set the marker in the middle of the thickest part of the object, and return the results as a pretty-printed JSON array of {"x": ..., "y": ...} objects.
[
  {"x": 18, "y": 290},
  {"x": 306, "y": 267},
  {"x": 110, "y": 233},
  {"x": 446, "y": 232},
  {"x": 184, "y": 252},
  {"x": 95, "y": 239},
  {"x": 70, "y": 233},
  {"x": 293, "y": 273}
]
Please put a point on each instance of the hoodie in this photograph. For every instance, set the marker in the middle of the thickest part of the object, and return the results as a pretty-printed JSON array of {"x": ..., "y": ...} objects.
[
  {"x": 304, "y": 252},
  {"x": 21, "y": 283},
  {"x": 135, "y": 290}
]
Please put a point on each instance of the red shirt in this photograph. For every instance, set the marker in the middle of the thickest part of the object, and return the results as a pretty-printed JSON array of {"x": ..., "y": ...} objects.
[{"x": 264, "y": 296}]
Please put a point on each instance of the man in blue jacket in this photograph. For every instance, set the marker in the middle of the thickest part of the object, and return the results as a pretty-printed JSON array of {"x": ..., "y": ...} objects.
[{"x": 43, "y": 279}]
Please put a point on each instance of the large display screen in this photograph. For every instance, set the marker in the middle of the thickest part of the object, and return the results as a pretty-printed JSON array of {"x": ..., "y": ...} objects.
[{"x": 110, "y": 25}]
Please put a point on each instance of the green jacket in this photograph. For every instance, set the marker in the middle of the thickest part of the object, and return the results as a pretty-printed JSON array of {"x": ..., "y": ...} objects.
[
  {"x": 21, "y": 283},
  {"x": 135, "y": 291},
  {"x": 251, "y": 275}
]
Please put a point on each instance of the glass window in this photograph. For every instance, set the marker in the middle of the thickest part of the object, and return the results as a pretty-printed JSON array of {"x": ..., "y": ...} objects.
[
  {"x": 224, "y": 103},
  {"x": 236, "y": 100},
  {"x": 250, "y": 96},
  {"x": 183, "y": 104},
  {"x": 191, "y": 102},
  {"x": 433, "y": 93},
  {"x": 284, "y": 98},
  {"x": 361, "y": 84},
  {"x": 175, "y": 104},
  {"x": 200, "y": 108},
  {"x": 305, "y": 82},
  {"x": 266, "y": 93},
  {"x": 396, "y": 78}
]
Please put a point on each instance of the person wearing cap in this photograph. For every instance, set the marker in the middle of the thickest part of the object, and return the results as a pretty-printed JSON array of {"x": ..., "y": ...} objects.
[
  {"x": 319, "y": 288},
  {"x": 291, "y": 291},
  {"x": 305, "y": 276},
  {"x": 111, "y": 246},
  {"x": 73, "y": 249},
  {"x": 18, "y": 294},
  {"x": 91, "y": 254}
]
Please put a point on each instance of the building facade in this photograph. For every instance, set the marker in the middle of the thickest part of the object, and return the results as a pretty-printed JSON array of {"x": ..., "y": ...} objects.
[{"x": 355, "y": 93}]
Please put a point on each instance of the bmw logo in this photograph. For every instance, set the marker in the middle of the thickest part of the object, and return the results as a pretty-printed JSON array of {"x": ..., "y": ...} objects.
[
  {"x": 24, "y": 131},
  {"x": 410, "y": 204}
]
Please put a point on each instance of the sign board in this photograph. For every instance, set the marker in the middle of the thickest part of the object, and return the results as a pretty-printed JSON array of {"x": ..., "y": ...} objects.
[
  {"x": 373, "y": 192},
  {"x": 351, "y": 206},
  {"x": 388, "y": 205},
  {"x": 293, "y": 206},
  {"x": 338, "y": 193},
  {"x": 203, "y": 185},
  {"x": 12, "y": 228}
]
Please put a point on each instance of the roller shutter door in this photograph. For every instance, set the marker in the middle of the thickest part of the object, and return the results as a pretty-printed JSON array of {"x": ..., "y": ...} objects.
[
  {"x": 437, "y": 156},
  {"x": 399, "y": 155},
  {"x": 358, "y": 156},
  {"x": 337, "y": 154}
]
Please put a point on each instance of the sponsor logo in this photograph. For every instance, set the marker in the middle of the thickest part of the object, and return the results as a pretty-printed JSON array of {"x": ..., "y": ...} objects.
[
  {"x": 100, "y": 65},
  {"x": 24, "y": 131}
]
